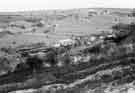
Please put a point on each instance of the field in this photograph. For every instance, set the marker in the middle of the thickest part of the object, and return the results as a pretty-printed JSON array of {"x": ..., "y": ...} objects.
[{"x": 67, "y": 26}]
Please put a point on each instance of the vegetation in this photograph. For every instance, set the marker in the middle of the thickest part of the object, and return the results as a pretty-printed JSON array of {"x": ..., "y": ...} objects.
[{"x": 109, "y": 63}]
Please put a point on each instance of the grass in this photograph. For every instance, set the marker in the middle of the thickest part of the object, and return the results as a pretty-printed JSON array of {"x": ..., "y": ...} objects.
[{"x": 65, "y": 29}]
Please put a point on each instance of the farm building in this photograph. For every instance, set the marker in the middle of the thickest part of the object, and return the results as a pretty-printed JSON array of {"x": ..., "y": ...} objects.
[{"x": 64, "y": 42}]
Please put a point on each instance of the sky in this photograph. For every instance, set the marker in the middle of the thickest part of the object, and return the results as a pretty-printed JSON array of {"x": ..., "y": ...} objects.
[{"x": 28, "y": 5}]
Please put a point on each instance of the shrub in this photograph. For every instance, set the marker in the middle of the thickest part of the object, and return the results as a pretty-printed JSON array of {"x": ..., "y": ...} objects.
[
  {"x": 51, "y": 57},
  {"x": 9, "y": 62},
  {"x": 34, "y": 63}
]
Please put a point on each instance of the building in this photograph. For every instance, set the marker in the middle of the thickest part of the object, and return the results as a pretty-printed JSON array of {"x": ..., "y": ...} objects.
[{"x": 64, "y": 42}]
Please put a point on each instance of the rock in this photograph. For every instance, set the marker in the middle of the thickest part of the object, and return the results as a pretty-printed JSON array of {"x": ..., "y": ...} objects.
[{"x": 25, "y": 91}]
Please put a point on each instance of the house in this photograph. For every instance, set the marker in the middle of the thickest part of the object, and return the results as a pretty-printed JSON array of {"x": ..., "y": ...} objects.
[
  {"x": 76, "y": 59},
  {"x": 92, "y": 12},
  {"x": 65, "y": 42},
  {"x": 93, "y": 38}
]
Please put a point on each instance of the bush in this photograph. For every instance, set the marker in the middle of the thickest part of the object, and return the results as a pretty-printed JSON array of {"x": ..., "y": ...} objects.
[
  {"x": 8, "y": 63},
  {"x": 8, "y": 50},
  {"x": 51, "y": 57},
  {"x": 122, "y": 30},
  {"x": 34, "y": 63},
  {"x": 66, "y": 59}
]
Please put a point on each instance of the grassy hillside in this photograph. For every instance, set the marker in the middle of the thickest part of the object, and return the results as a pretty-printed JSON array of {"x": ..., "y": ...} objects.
[{"x": 30, "y": 62}]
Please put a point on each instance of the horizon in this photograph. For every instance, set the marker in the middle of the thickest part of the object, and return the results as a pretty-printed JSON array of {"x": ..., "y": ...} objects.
[{"x": 39, "y": 5}]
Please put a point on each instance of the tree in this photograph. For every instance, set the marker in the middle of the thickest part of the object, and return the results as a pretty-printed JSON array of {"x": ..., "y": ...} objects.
[
  {"x": 51, "y": 57},
  {"x": 133, "y": 13},
  {"x": 34, "y": 63},
  {"x": 67, "y": 58}
]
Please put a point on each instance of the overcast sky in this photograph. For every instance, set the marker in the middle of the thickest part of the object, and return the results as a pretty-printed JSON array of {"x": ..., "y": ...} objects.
[{"x": 22, "y": 5}]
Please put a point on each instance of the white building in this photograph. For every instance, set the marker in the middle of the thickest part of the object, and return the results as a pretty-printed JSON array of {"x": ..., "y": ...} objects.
[
  {"x": 64, "y": 42},
  {"x": 93, "y": 38}
]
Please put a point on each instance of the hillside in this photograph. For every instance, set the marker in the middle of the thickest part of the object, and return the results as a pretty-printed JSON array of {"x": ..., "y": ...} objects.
[{"x": 71, "y": 51}]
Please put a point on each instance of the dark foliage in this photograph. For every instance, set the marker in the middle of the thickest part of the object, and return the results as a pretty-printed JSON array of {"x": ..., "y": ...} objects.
[
  {"x": 51, "y": 57},
  {"x": 34, "y": 62}
]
